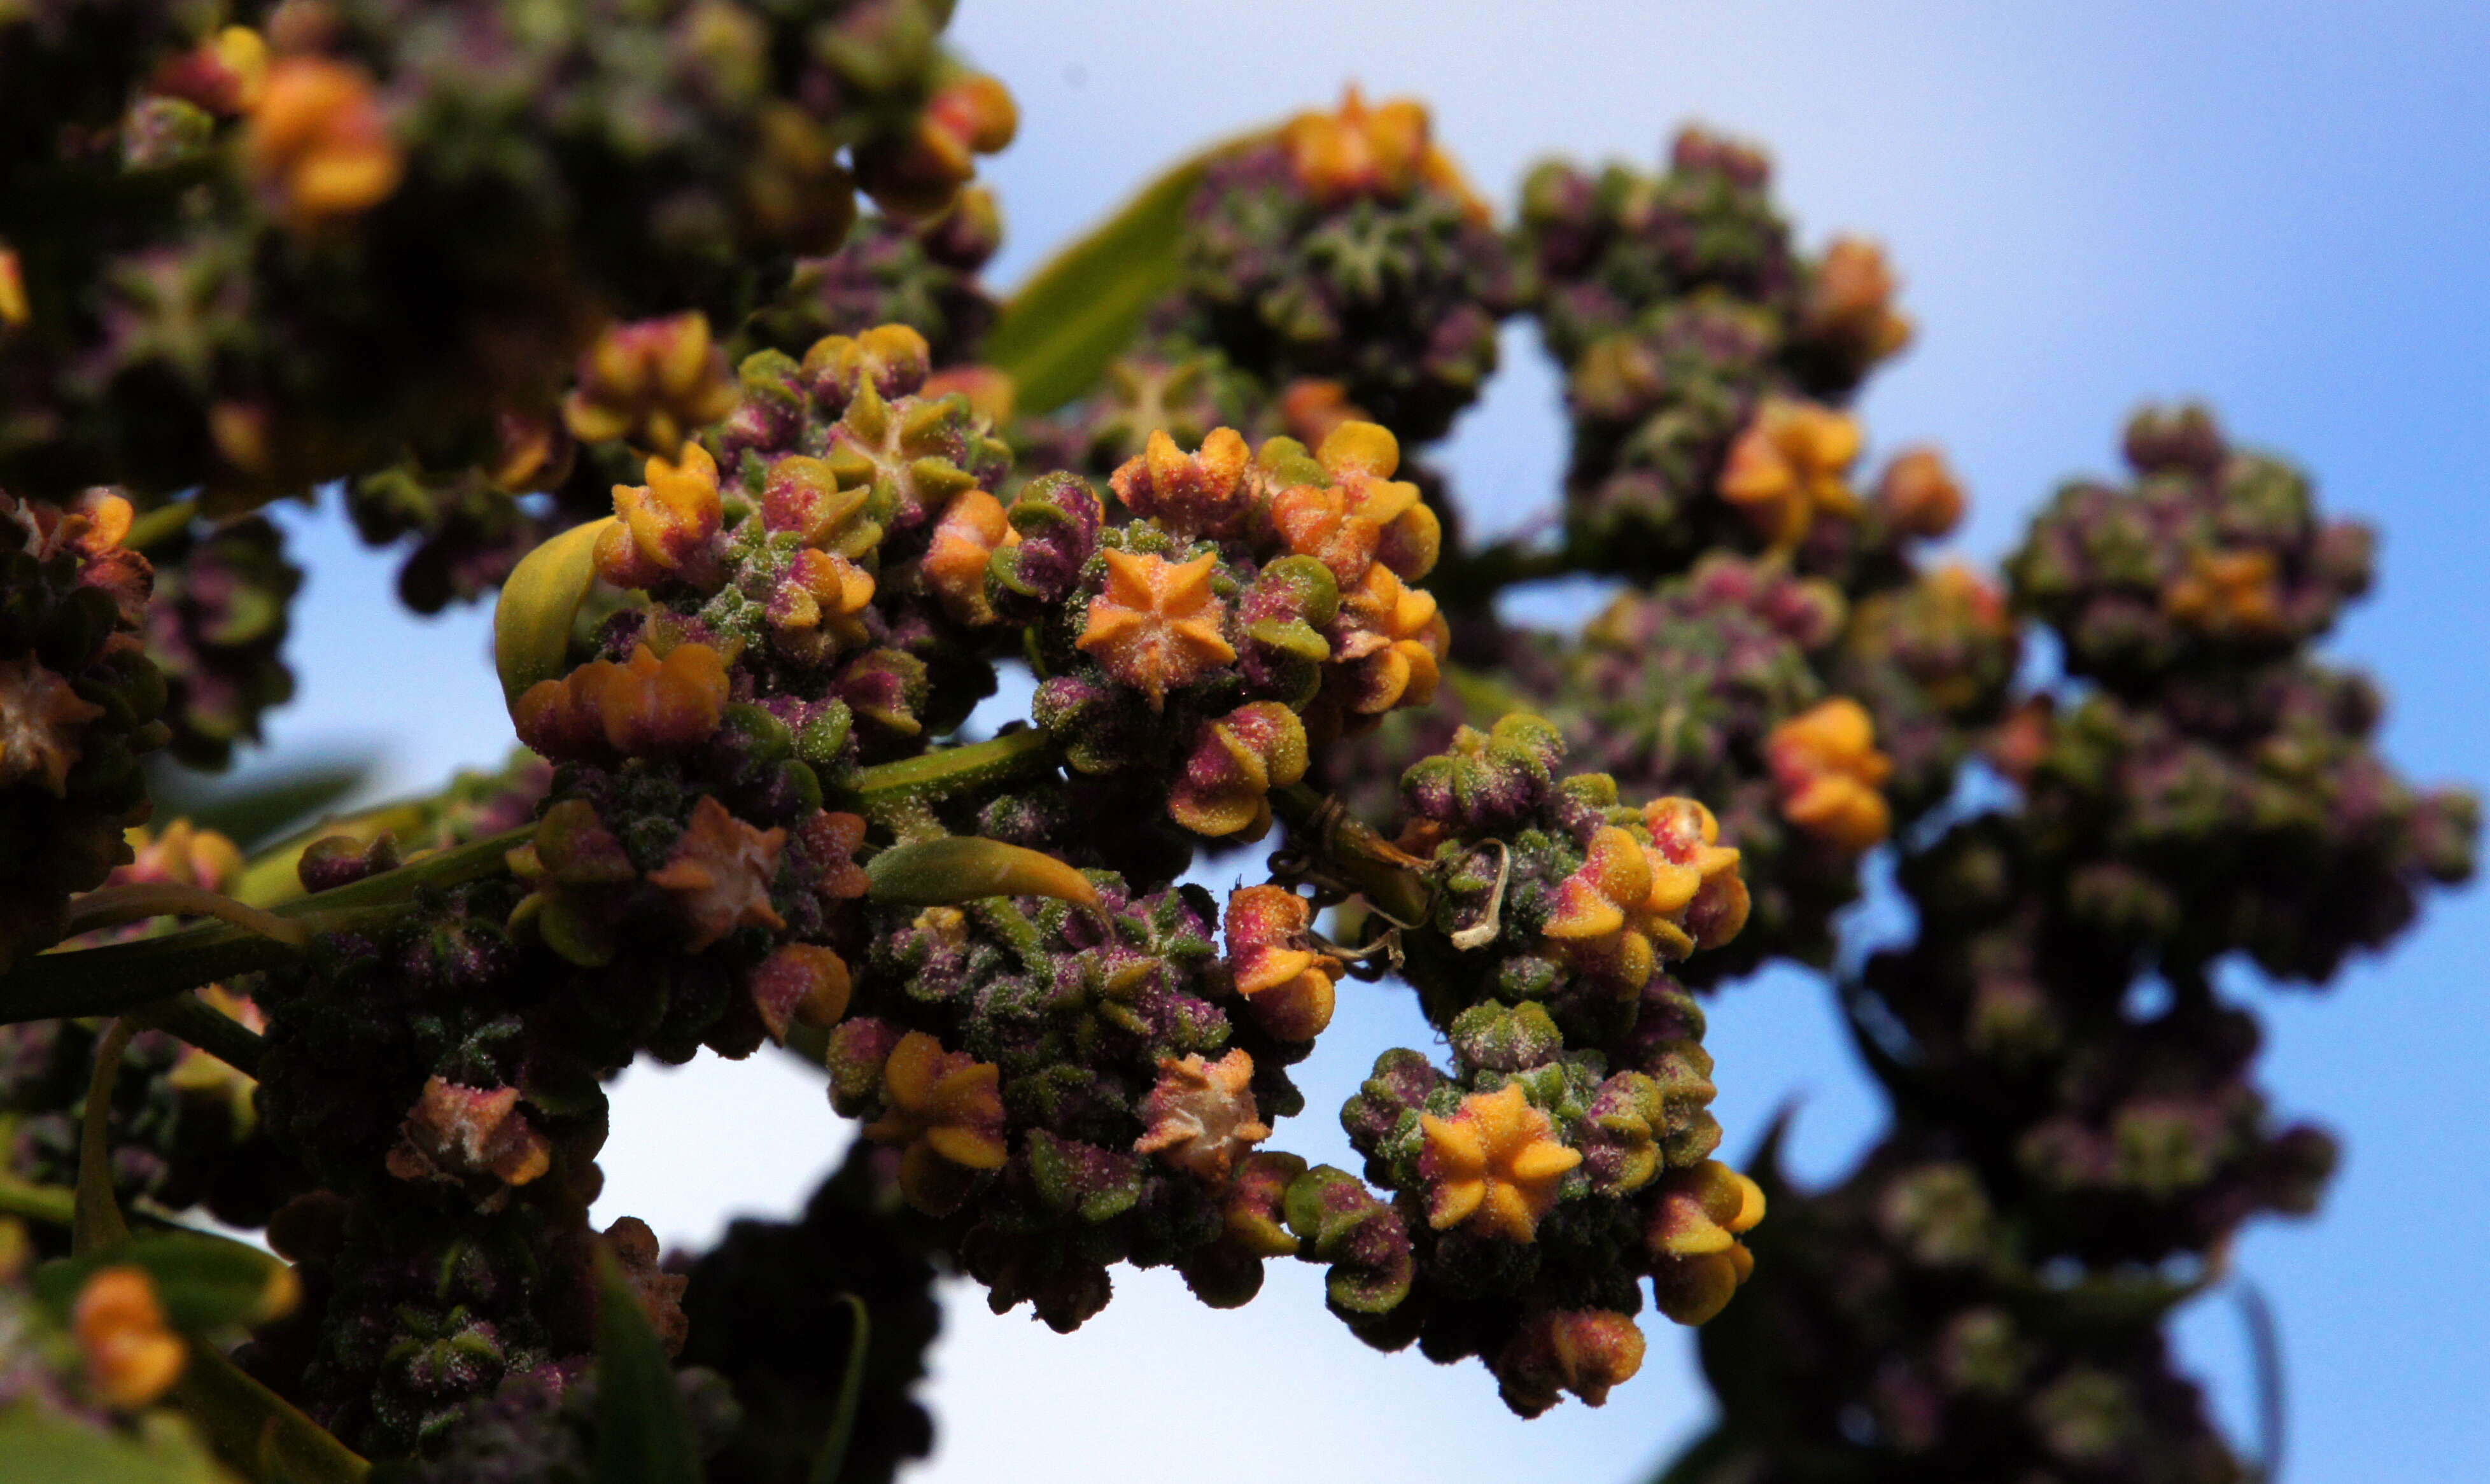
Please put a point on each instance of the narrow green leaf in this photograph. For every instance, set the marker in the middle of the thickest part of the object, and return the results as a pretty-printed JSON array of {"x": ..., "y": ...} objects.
[
  {"x": 643, "y": 1434},
  {"x": 962, "y": 867},
  {"x": 532, "y": 621},
  {"x": 98, "y": 1223},
  {"x": 1081, "y": 309},
  {"x": 254, "y": 811},
  {"x": 41, "y": 1448},
  {"x": 833, "y": 1457},
  {"x": 258, "y": 1432}
]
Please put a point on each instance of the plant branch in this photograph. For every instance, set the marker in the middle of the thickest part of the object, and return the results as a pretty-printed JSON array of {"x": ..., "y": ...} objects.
[{"x": 123, "y": 977}]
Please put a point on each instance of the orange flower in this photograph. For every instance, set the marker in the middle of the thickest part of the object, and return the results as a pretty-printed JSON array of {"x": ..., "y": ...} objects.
[
  {"x": 1851, "y": 300},
  {"x": 1587, "y": 1352},
  {"x": 39, "y": 720},
  {"x": 183, "y": 853},
  {"x": 813, "y": 612},
  {"x": 1286, "y": 984},
  {"x": 1494, "y": 1165},
  {"x": 1201, "y": 1116},
  {"x": 1392, "y": 650},
  {"x": 1791, "y": 463},
  {"x": 1157, "y": 625},
  {"x": 1235, "y": 763},
  {"x": 2230, "y": 594},
  {"x": 1697, "y": 890},
  {"x": 945, "y": 1109},
  {"x": 802, "y": 984},
  {"x": 456, "y": 1134},
  {"x": 972, "y": 528},
  {"x": 1199, "y": 494},
  {"x": 318, "y": 141},
  {"x": 13, "y": 307},
  {"x": 721, "y": 873},
  {"x": 663, "y": 528},
  {"x": 132, "y": 1358},
  {"x": 1363, "y": 515},
  {"x": 642, "y": 706},
  {"x": 1826, "y": 763},
  {"x": 654, "y": 382},
  {"x": 1920, "y": 494},
  {"x": 1695, "y": 1217},
  {"x": 1384, "y": 151}
]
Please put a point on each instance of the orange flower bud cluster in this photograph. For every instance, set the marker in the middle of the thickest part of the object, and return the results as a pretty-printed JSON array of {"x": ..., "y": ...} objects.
[
  {"x": 640, "y": 706},
  {"x": 1829, "y": 771},
  {"x": 663, "y": 528},
  {"x": 319, "y": 143},
  {"x": 1852, "y": 302},
  {"x": 1919, "y": 494},
  {"x": 1697, "y": 1261},
  {"x": 1791, "y": 463},
  {"x": 1587, "y": 1352},
  {"x": 2228, "y": 595},
  {"x": 1385, "y": 151},
  {"x": 917, "y": 173},
  {"x": 971, "y": 530},
  {"x": 801, "y": 983},
  {"x": 1289, "y": 984},
  {"x": 1634, "y": 902},
  {"x": 131, "y": 1356},
  {"x": 475, "y": 1136},
  {"x": 945, "y": 1110},
  {"x": 653, "y": 382}
]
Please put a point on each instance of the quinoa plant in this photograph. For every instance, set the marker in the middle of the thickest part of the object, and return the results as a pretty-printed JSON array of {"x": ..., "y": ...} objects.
[{"x": 574, "y": 303}]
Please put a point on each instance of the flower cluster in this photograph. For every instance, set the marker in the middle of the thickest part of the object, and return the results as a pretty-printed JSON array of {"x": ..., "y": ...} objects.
[
  {"x": 1704, "y": 357},
  {"x": 366, "y": 222},
  {"x": 1566, "y": 1155},
  {"x": 217, "y": 630},
  {"x": 1346, "y": 252},
  {"x": 81, "y": 702}
]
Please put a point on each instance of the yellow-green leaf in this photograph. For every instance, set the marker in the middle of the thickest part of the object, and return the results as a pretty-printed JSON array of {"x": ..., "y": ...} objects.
[
  {"x": 1081, "y": 309},
  {"x": 532, "y": 623},
  {"x": 961, "y": 868}
]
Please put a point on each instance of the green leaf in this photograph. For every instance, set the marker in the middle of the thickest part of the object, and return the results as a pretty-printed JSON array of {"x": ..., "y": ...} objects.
[
  {"x": 532, "y": 621},
  {"x": 256, "y": 810},
  {"x": 643, "y": 1434},
  {"x": 832, "y": 1460},
  {"x": 1082, "y": 308},
  {"x": 962, "y": 867},
  {"x": 203, "y": 1280},
  {"x": 259, "y": 1432},
  {"x": 41, "y": 1448}
]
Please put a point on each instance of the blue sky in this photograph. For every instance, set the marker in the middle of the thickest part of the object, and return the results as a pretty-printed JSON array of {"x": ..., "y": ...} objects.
[{"x": 2278, "y": 207}]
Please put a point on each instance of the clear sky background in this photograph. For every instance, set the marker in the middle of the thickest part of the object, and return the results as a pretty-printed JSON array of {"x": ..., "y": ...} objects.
[{"x": 2279, "y": 206}]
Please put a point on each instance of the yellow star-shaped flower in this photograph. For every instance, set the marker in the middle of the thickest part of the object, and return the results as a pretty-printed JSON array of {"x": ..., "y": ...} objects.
[
  {"x": 1495, "y": 1165},
  {"x": 1157, "y": 624}
]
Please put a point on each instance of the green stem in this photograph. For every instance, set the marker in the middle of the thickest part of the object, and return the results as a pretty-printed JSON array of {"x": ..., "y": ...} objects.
[
  {"x": 1381, "y": 872},
  {"x": 954, "y": 769},
  {"x": 832, "y": 1460},
  {"x": 50, "y": 1205},
  {"x": 208, "y": 1028},
  {"x": 122, "y": 977},
  {"x": 96, "y": 1222}
]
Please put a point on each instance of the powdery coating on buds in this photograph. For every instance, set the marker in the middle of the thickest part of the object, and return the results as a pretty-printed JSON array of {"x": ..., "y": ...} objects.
[
  {"x": 643, "y": 705},
  {"x": 1691, "y": 1233},
  {"x": 1494, "y": 1165},
  {"x": 1157, "y": 625},
  {"x": 652, "y": 382},
  {"x": 318, "y": 142},
  {"x": 1234, "y": 764},
  {"x": 132, "y": 1357},
  {"x": 1791, "y": 464},
  {"x": 720, "y": 872},
  {"x": 942, "y": 1111},
  {"x": 974, "y": 527},
  {"x": 1359, "y": 514},
  {"x": 663, "y": 529},
  {"x": 1826, "y": 763},
  {"x": 1289, "y": 984},
  {"x": 1200, "y": 1117}
]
